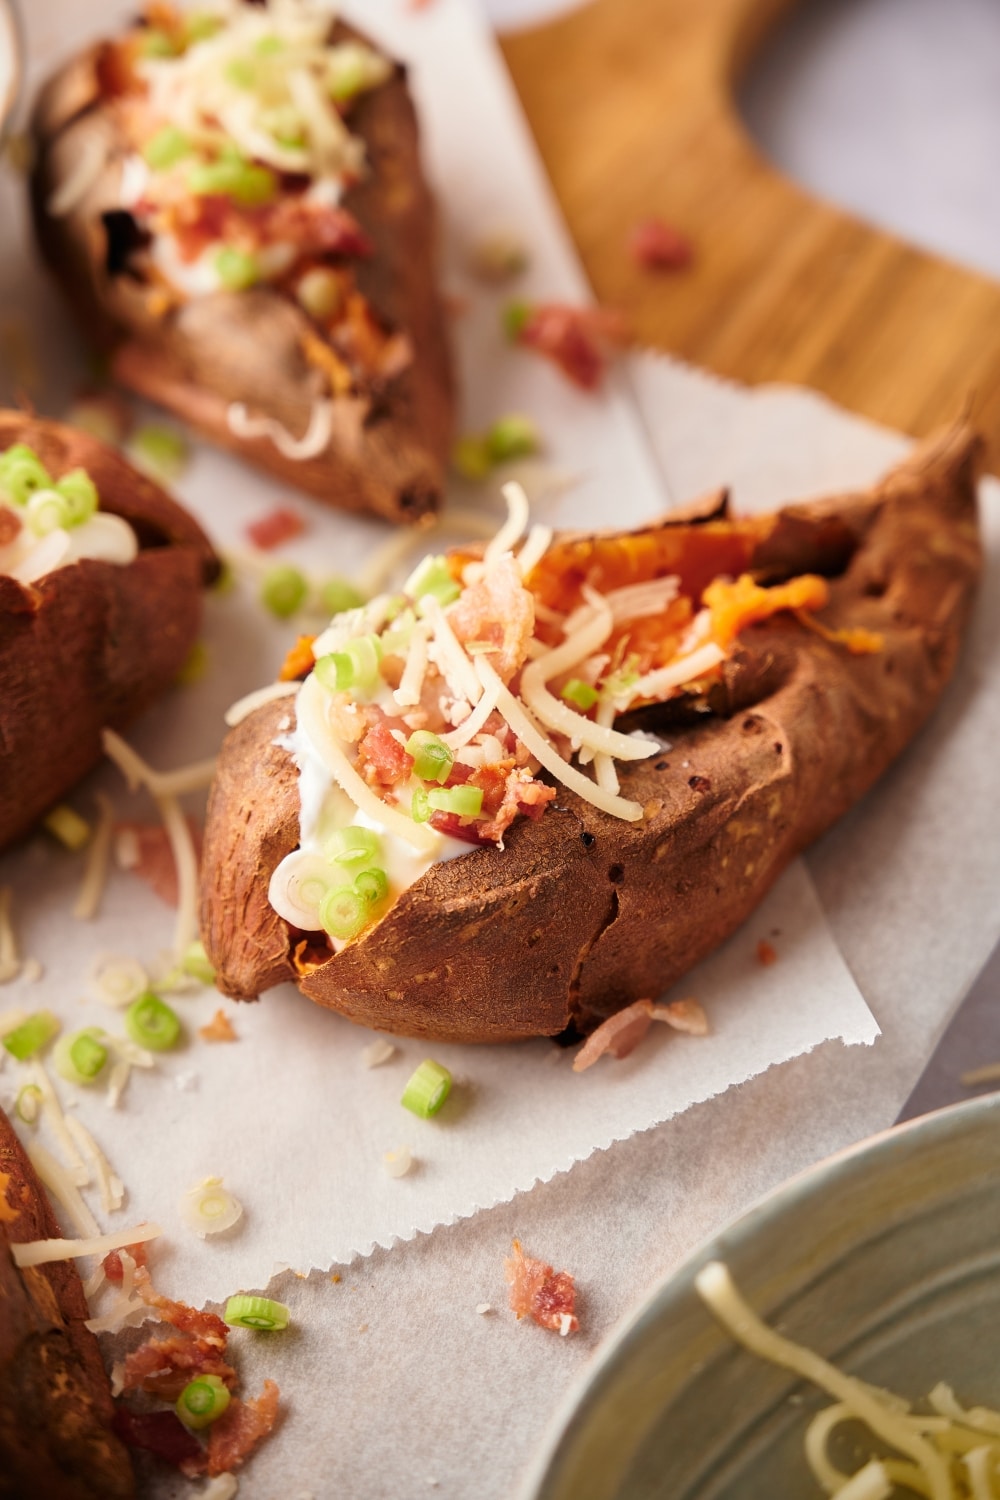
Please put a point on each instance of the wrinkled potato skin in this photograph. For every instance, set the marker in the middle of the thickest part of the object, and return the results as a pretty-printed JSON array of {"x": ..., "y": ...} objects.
[
  {"x": 90, "y": 645},
  {"x": 386, "y": 457},
  {"x": 55, "y": 1405},
  {"x": 582, "y": 913}
]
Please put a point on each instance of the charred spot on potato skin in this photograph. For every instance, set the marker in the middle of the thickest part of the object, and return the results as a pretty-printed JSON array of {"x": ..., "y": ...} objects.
[
  {"x": 588, "y": 840},
  {"x": 700, "y": 784},
  {"x": 123, "y": 237},
  {"x": 778, "y": 748},
  {"x": 616, "y": 874},
  {"x": 751, "y": 725},
  {"x": 662, "y": 765}
]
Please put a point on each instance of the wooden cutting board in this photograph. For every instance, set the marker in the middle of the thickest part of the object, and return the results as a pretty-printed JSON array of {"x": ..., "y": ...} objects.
[{"x": 632, "y": 105}]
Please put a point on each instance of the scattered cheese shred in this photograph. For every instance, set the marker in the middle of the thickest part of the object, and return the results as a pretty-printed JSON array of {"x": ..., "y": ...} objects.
[
  {"x": 57, "y": 1123},
  {"x": 313, "y": 441},
  {"x": 110, "y": 1184},
  {"x": 43, "y": 1252},
  {"x": 407, "y": 695},
  {"x": 95, "y": 874},
  {"x": 63, "y": 1189},
  {"x": 246, "y": 705},
  {"x": 513, "y": 528},
  {"x": 10, "y": 964}
]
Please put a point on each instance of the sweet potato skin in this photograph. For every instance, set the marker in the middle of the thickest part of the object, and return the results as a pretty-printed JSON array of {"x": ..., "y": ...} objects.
[
  {"x": 581, "y": 913},
  {"x": 55, "y": 1403},
  {"x": 385, "y": 456},
  {"x": 92, "y": 644}
]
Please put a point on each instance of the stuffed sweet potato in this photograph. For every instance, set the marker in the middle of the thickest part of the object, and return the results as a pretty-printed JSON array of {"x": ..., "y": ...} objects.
[
  {"x": 235, "y": 206},
  {"x": 787, "y": 659},
  {"x": 101, "y": 580}
]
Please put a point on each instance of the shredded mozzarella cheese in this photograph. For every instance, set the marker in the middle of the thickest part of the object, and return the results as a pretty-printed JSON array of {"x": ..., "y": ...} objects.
[
  {"x": 95, "y": 875},
  {"x": 314, "y": 441},
  {"x": 111, "y": 1187},
  {"x": 449, "y": 655},
  {"x": 407, "y": 695},
  {"x": 243, "y": 707},
  {"x": 513, "y": 528},
  {"x": 43, "y": 1252},
  {"x": 10, "y": 963},
  {"x": 57, "y": 1180}
]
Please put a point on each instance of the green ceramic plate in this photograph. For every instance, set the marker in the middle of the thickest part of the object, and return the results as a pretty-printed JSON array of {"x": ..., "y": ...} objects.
[{"x": 885, "y": 1258}]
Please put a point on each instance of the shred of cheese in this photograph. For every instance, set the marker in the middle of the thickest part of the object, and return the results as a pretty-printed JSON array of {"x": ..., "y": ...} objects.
[
  {"x": 43, "y": 1252},
  {"x": 513, "y": 528},
  {"x": 681, "y": 670},
  {"x": 110, "y": 1184},
  {"x": 471, "y": 726},
  {"x": 407, "y": 695},
  {"x": 95, "y": 874},
  {"x": 314, "y": 441},
  {"x": 10, "y": 963},
  {"x": 534, "y": 549},
  {"x": 63, "y": 1189},
  {"x": 243, "y": 707},
  {"x": 56, "y": 1120},
  {"x": 449, "y": 655}
]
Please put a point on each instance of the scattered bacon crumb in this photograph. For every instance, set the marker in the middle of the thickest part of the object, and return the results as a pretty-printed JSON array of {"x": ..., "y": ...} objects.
[
  {"x": 657, "y": 246},
  {"x": 539, "y": 1292},
  {"x": 163, "y": 1367},
  {"x": 144, "y": 848},
  {"x": 201, "y": 1325},
  {"x": 577, "y": 339},
  {"x": 683, "y": 1015},
  {"x": 767, "y": 953},
  {"x": 240, "y": 1428},
  {"x": 382, "y": 760},
  {"x": 299, "y": 662},
  {"x": 218, "y": 1029},
  {"x": 159, "y": 1432},
  {"x": 621, "y": 1033},
  {"x": 112, "y": 1262},
  {"x": 279, "y": 525}
]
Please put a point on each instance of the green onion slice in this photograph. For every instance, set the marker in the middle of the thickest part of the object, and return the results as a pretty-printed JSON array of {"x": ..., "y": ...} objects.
[
  {"x": 579, "y": 693},
  {"x": 337, "y": 594},
  {"x": 67, "y": 826},
  {"x": 284, "y": 590},
  {"x": 420, "y": 807},
  {"x": 151, "y": 1023},
  {"x": 511, "y": 437},
  {"x": 32, "y": 1035},
  {"x": 22, "y": 473},
  {"x": 236, "y": 269},
  {"x": 46, "y": 511},
  {"x": 353, "y": 845},
  {"x": 355, "y": 669},
  {"x": 471, "y": 457},
  {"x": 343, "y": 912},
  {"x": 372, "y": 884},
  {"x": 427, "y": 1089},
  {"x": 432, "y": 576},
  {"x": 464, "y": 801},
  {"x": 202, "y": 1401},
  {"x": 159, "y": 451},
  {"x": 80, "y": 1057},
  {"x": 232, "y": 177},
  {"x": 167, "y": 147},
  {"x": 196, "y": 963},
  {"x": 514, "y": 317},
  {"x": 79, "y": 492},
  {"x": 256, "y": 1312},
  {"x": 28, "y": 1103},
  {"x": 432, "y": 758}
]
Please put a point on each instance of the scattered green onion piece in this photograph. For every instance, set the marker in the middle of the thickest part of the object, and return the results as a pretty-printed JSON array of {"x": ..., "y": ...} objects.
[
  {"x": 372, "y": 884},
  {"x": 196, "y": 963},
  {"x": 225, "y": 583},
  {"x": 320, "y": 292},
  {"x": 256, "y": 1312},
  {"x": 241, "y": 73},
  {"x": 432, "y": 576},
  {"x": 28, "y": 1103},
  {"x": 343, "y": 912},
  {"x": 67, "y": 826},
  {"x": 335, "y": 672},
  {"x": 396, "y": 640},
  {"x": 432, "y": 758},
  {"x": 159, "y": 451},
  {"x": 427, "y": 1089},
  {"x": 284, "y": 590},
  {"x": 46, "y": 511},
  {"x": 471, "y": 457},
  {"x": 464, "y": 801},
  {"x": 32, "y": 1035},
  {"x": 514, "y": 317},
  {"x": 201, "y": 25},
  {"x": 353, "y": 845},
  {"x": 99, "y": 417},
  {"x": 346, "y": 80},
  {"x": 79, "y": 492},
  {"x": 202, "y": 1402},
  {"x": 420, "y": 807},
  {"x": 356, "y": 667},
  {"x": 80, "y": 1056},
  {"x": 230, "y": 176},
  {"x": 156, "y": 43},
  {"x": 337, "y": 594},
  {"x": 236, "y": 269},
  {"x": 511, "y": 437},
  {"x": 22, "y": 473},
  {"x": 166, "y": 148},
  {"x": 195, "y": 667},
  {"x": 150, "y": 1023},
  {"x": 269, "y": 45},
  {"x": 579, "y": 693}
]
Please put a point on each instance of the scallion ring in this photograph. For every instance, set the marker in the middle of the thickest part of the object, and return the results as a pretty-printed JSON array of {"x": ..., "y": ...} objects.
[
  {"x": 22, "y": 473},
  {"x": 337, "y": 595},
  {"x": 353, "y": 845},
  {"x": 463, "y": 801},
  {"x": 236, "y": 269},
  {"x": 343, "y": 913},
  {"x": 433, "y": 576},
  {"x": 210, "y": 1208},
  {"x": 196, "y": 963},
  {"x": 28, "y": 1103},
  {"x": 166, "y": 148},
  {"x": 427, "y": 1089},
  {"x": 284, "y": 590},
  {"x": 432, "y": 758},
  {"x": 202, "y": 1401},
  {"x": 80, "y": 1057},
  {"x": 151, "y": 1023},
  {"x": 80, "y": 494},
  {"x": 256, "y": 1312},
  {"x": 372, "y": 884},
  {"x": 32, "y": 1035},
  {"x": 420, "y": 807},
  {"x": 579, "y": 693},
  {"x": 47, "y": 511}
]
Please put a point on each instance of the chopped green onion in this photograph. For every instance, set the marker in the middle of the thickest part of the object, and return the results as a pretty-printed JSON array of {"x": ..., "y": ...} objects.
[
  {"x": 156, "y": 43},
  {"x": 236, "y": 269},
  {"x": 433, "y": 576},
  {"x": 470, "y": 457},
  {"x": 32, "y": 1035},
  {"x": 514, "y": 317},
  {"x": 396, "y": 640},
  {"x": 202, "y": 1401},
  {"x": 337, "y": 594},
  {"x": 343, "y": 912},
  {"x": 22, "y": 473},
  {"x": 432, "y": 758},
  {"x": 230, "y": 176},
  {"x": 256, "y": 1312},
  {"x": 167, "y": 147},
  {"x": 241, "y": 73},
  {"x": 580, "y": 693},
  {"x": 420, "y": 807},
  {"x": 320, "y": 292},
  {"x": 464, "y": 801},
  {"x": 81, "y": 1056},
  {"x": 67, "y": 826},
  {"x": 46, "y": 511},
  {"x": 356, "y": 667},
  {"x": 150, "y": 1023},
  {"x": 512, "y": 437},
  {"x": 28, "y": 1103},
  {"x": 427, "y": 1089},
  {"x": 284, "y": 590},
  {"x": 201, "y": 25},
  {"x": 210, "y": 1208},
  {"x": 284, "y": 123},
  {"x": 269, "y": 45},
  {"x": 345, "y": 80},
  {"x": 80, "y": 494},
  {"x": 196, "y": 963},
  {"x": 195, "y": 667},
  {"x": 159, "y": 451},
  {"x": 372, "y": 884},
  {"x": 353, "y": 845},
  {"x": 225, "y": 583}
]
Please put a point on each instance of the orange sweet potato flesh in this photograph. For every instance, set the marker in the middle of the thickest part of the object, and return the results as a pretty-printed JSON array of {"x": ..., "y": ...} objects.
[
  {"x": 90, "y": 645},
  {"x": 581, "y": 913},
  {"x": 55, "y": 1404},
  {"x": 388, "y": 453}
]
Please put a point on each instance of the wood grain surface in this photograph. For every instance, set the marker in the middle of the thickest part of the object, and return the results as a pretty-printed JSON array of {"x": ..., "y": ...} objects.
[{"x": 632, "y": 105}]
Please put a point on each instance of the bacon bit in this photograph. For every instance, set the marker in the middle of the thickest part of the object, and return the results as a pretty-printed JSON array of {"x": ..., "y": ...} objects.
[
  {"x": 144, "y": 849},
  {"x": 576, "y": 338},
  {"x": 10, "y": 525},
  {"x": 201, "y": 1325},
  {"x": 382, "y": 760},
  {"x": 299, "y": 662},
  {"x": 500, "y": 611},
  {"x": 241, "y": 1427},
  {"x": 767, "y": 953},
  {"x": 621, "y": 1033},
  {"x": 112, "y": 1262},
  {"x": 163, "y": 1367},
  {"x": 538, "y": 1292},
  {"x": 279, "y": 525},
  {"x": 683, "y": 1015},
  {"x": 522, "y": 796},
  {"x": 316, "y": 228},
  {"x": 159, "y": 1432},
  {"x": 657, "y": 246},
  {"x": 218, "y": 1029}
]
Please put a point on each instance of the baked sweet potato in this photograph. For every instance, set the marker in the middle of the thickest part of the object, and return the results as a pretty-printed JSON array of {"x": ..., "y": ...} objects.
[
  {"x": 91, "y": 643},
  {"x": 582, "y": 912},
  {"x": 358, "y": 356},
  {"x": 56, "y": 1438}
]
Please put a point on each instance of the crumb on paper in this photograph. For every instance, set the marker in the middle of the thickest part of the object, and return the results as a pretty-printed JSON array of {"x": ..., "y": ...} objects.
[
  {"x": 483, "y": 1308},
  {"x": 498, "y": 256},
  {"x": 377, "y": 1052},
  {"x": 362, "y": 1327},
  {"x": 218, "y": 1029},
  {"x": 336, "y": 1278},
  {"x": 187, "y": 1083},
  {"x": 397, "y": 1163},
  {"x": 767, "y": 953}
]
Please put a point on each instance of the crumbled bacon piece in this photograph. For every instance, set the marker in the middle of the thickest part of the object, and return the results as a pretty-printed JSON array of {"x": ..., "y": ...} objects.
[
  {"x": 10, "y": 525},
  {"x": 300, "y": 660},
  {"x": 201, "y": 1325},
  {"x": 656, "y": 246},
  {"x": 159, "y": 1432},
  {"x": 576, "y": 338},
  {"x": 522, "y": 796},
  {"x": 144, "y": 848},
  {"x": 683, "y": 1015},
  {"x": 539, "y": 1292},
  {"x": 621, "y": 1033},
  {"x": 112, "y": 1262},
  {"x": 240, "y": 1428},
  {"x": 316, "y": 228},
  {"x": 218, "y": 1029},
  {"x": 163, "y": 1367},
  {"x": 382, "y": 760},
  {"x": 498, "y": 610},
  {"x": 767, "y": 953},
  {"x": 279, "y": 525}
]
